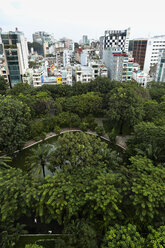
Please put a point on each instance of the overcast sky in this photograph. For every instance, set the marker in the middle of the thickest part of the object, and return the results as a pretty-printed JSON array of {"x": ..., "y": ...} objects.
[{"x": 74, "y": 18}]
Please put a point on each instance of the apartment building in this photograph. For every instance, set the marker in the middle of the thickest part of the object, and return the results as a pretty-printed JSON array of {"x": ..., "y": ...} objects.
[
  {"x": 119, "y": 66},
  {"x": 16, "y": 55},
  {"x": 139, "y": 51},
  {"x": 160, "y": 73},
  {"x": 146, "y": 52}
]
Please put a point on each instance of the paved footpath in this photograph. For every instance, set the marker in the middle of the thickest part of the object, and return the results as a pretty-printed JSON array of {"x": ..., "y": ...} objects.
[{"x": 120, "y": 140}]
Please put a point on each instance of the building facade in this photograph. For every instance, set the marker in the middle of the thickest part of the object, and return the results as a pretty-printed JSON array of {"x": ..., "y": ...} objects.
[
  {"x": 141, "y": 78},
  {"x": 160, "y": 73},
  {"x": 139, "y": 51},
  {"x": 117, "y": 39},
  {"x": 41, "y": 37},
  {"x": 16, "y": 55},
  {"x": 154, "y": 45},
  {"x": 119, "y": 66},
  {"x": 101, "y": 46}
]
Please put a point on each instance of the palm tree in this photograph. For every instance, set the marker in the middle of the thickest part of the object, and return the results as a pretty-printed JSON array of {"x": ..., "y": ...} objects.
[
  {"x": 40, "y": 159},
  {"x": 152, "y": 152},
  {"x": 3, "y": 162}
]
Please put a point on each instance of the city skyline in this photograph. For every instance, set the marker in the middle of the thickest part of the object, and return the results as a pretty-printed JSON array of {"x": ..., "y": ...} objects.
[{"x": 73, "y": 20}]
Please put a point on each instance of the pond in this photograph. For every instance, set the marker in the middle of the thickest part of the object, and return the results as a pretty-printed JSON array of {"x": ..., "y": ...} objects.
[{"x": 20, "y": 157}]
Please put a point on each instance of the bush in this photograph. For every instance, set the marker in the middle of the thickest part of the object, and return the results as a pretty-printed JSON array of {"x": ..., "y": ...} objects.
[
  {"x": 156, "y": 239},
  {"x": 33, "y": 246},
  {"x": 63, "y": 119},
  {"x": 84, "y": 126},
  {"x": 99, "y": 130},
  {"x": 83, "y": 235},
  {"x": 36, "y": 128},
  {"x": 123, "y": 236},
  {"x": 49, "y": 123},
  {"x": 74, "y": 120},
  {"x": 43, "y": 135},
  {"x": 37, "y": 138},
  {"x": 50, "y": 243},
  {"x": 92, "y": 123},
  {"x": 66, "y": 119},
  {"x": 57, "y": 130},
  {"x": 112, "y": 135}
]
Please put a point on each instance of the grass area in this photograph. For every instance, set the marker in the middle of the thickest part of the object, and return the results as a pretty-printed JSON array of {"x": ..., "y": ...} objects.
[{"x": 31, "y": 239}]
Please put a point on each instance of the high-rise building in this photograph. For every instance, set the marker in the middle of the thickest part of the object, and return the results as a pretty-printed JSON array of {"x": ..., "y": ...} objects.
[
  {"x": 139, "y": 51},
  {"x": 101, "y": 46},
  {"x": 41, "y": 37},
  {"x": 84, "y": 57},
  {"x": 16, "y": 55},
  {"x": 119, "y": 66},
  {"x": 66, "y": 58},
  {"x": 154, "y": 44},
  {"x": 160, "y": 73},
  {"x": 1, "y": 47},
  {"x": 85, "y": 40},
  {"x": 117, "y": 39}
]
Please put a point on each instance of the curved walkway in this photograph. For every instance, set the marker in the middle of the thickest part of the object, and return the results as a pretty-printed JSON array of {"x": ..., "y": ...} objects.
[
  {"x": 65, "y": 130},
  {"x": 31, "y": 143}
]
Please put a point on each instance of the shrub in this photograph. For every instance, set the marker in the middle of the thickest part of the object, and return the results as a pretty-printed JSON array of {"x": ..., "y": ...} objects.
[
  {"x": 36, "y": 128},
  {"x": 99, "y": 130},
  {"x": 57, "y": 129},
  {"x": 43, "y": 135},
  {"x": 84, "y": 126},
  {"x": 50, "y": 243},
  {"x": 33, "y": 246}
]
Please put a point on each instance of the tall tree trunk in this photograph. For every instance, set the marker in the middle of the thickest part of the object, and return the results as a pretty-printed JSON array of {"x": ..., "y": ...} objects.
[
  {"x": 43, "y": 170},
  {"x": 121, "y": 127}
]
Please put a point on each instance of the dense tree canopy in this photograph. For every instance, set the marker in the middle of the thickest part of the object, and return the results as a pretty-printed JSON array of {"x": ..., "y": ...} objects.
[
  {"x": 98, "y": 195},
  {"x": 149, "y": 140},
  {"x": 78, "y": 150},
  {"x": 3, "y": 86},
  {"x": 156, "y": 239},
  {"x": 123, "y": 237},
  {"x": 14, "y": 117},
  {"x": 125, "y": 106},
  {"x": 14, "y": 186},
  {"x": 82, "y": 105}
]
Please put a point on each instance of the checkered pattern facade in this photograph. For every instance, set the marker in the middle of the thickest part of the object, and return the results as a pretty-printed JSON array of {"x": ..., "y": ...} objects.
[{"x": 115, "y": 39}]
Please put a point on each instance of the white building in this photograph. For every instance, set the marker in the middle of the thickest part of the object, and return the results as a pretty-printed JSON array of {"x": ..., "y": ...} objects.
[
  {"x": 98, "y": 69},
  {"x": 3, "y": 73},
  {"x": 160, "y": 73},
  {"x": 38, "y": 77},
  {"x": 82, "y": 73},
  {"x": 89, "y": 73},
  {"x": 67, "y": 75},
  {"x": 136, "y": 67},
  {"x": 141, "y": 77},
  {"x": 103, "y": 71},
  {"x": 28, "y": 76},
  {"x": 152, "y": 52},
  {"x": 66, "y": 57},
  {"x": 84, "y": 58}
]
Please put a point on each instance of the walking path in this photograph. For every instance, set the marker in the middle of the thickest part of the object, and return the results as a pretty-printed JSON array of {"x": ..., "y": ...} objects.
[{"x": 120, "y": 141}]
